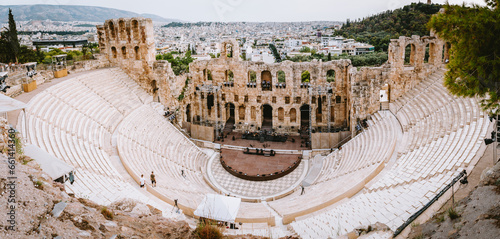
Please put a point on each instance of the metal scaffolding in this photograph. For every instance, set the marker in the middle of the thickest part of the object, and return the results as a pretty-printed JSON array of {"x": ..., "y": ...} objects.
[
  {"x": 215, "y": 90},
  {"x": 321, "y": 91}
]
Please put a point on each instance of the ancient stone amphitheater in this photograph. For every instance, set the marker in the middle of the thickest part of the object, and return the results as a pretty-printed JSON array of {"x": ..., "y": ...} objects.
[{"x": 104, "y": 123}]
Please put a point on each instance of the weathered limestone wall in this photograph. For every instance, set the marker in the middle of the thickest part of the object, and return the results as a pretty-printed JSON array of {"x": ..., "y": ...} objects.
[
  {"x": 129, "y": 44},
  {"x": 400, "y": 77},
  {"x": 247, "y": 90},
  {"x": 286, "y": 102}
]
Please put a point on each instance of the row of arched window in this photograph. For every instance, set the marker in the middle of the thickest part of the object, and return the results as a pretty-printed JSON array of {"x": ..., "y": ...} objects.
[
  {"x": 429, "y": 55},
  {"x": 124, "y": 54},
  {"x": 266, "y": 76},
  {"x": 124, "y": 33}
]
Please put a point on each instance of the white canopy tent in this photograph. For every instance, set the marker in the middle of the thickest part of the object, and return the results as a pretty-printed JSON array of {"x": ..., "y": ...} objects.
[
  {"x": 51, "y": 165},
  {"x": 218, "y": 207},
  {"x": 8, "y": 104}
]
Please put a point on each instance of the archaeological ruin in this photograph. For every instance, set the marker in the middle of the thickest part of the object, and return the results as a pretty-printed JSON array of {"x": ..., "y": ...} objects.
[{"x": 325, "y": 100}]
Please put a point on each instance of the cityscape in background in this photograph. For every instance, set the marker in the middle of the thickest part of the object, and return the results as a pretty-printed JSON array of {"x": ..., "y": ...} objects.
[{"x": 203, "y": 39}]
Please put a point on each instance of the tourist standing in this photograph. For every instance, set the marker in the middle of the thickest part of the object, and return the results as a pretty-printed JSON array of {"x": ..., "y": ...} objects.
[
  {"x": 143, "y": 181},
  {"x": 153, "y": 179}
]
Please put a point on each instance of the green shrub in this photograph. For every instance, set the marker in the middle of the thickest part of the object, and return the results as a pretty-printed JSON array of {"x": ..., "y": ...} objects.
[
  {"x": 108, "y": 214},
  {"x": 207, "y": 231},
  {"x": 440, "y": 218},
  {"x": 38, "y": 184},
  {"x": 452, "y": 214}
]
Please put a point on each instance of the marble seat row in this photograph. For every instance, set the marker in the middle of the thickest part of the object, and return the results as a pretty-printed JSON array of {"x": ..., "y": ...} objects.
[
  {"x": 390, "y": 206},
  {"x": 73, "y": 122},
  {"x": 371, "y": 147},
  {"x": 147, "y": 142},
  {"x": 345, "y": 171},
  {"x": 442, "y": 135}
]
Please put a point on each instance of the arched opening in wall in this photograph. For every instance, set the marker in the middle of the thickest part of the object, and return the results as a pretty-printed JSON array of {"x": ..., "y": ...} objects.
[
  {"x": 253, "y": 114},
  {"x": 427, "y": 53},
  {"x": 281, "y": 114},
  {"x": 241, "y": 112},
  {"x": 112, "y": 32},
  {"x": 136, "y": 51},
  {"x": 154, "y": 88},
  {"x": 267, "y": 80},
  {"x": 188, "y": 113},
  {"x": 207, "y": 74},
  {"x": 410, "y": 55},
  {"x": 319, "y": 110},
  {"x": 252, "y": 77},
  {"x": 432, "y": 53},
  {"x": 135, "y": 29},
  {"x": 293, "y": 115},
  {"x": 229, "y": 75},
  {"x": 305, "y": 77},
  {"x": 304, "y": 117},
  {"x": 113, "y": 51},
  {"x": 123, "y": 36},
  {"x": 210, "y": 103},
  {"x": 267, "y": 117},
  {"x": 446, "y": 52},
  {"x": 332, "y": 114},
  {"x": 230, "y": 112},
  {"x": 330, "y": 76},
  {"x": 281, "y": 76},
  {"x": 124, "y": 52}
]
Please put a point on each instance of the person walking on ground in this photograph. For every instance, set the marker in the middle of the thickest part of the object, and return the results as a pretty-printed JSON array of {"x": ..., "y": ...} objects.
[
  {"x": 143, "y": 181},
  {"x": 302, "y": 192},
  {"x": 153, "y": 179}
]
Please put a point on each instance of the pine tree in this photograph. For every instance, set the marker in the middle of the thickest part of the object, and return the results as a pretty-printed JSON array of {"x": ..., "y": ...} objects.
[
  {"x": 329, "y": 56},
  {"x": 12, "y": 37},
  {"x": 474, "y": 64}
]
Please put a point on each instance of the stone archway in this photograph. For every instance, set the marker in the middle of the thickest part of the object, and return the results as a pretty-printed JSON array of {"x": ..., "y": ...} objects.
[
  {"x": 305, "y": 111},
  {"x": 267, "y": 117}
]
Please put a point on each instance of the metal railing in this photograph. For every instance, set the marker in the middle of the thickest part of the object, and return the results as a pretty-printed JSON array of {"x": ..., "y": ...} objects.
[{"x": 426, "y": 206}]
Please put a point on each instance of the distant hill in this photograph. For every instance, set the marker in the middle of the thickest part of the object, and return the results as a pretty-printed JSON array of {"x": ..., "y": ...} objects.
[
  {"x": 380, "y": 28},
  {"x": 68, "y": 13}
]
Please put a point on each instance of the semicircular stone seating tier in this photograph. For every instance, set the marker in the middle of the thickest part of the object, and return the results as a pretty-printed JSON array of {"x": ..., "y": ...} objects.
[
  {"x": 346, "y": 171},
  {"x": 74, "y": 121},
  {"x": 148, "y": 142},
  {"x": 442, "y": 135}
]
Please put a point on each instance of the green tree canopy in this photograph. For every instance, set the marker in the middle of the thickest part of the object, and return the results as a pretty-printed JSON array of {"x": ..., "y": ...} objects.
[
  {"x": 474, "y": 65},
  {"x": 12, "y": 36}
]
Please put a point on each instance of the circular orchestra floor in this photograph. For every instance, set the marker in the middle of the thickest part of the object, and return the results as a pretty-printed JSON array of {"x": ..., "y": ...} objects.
[{"x": 257, "y": 164}]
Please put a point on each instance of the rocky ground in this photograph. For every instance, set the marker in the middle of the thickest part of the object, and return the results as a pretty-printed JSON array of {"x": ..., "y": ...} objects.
[
  {"x": 44, "y": 210},
  {"x": 475, "y": 216}
]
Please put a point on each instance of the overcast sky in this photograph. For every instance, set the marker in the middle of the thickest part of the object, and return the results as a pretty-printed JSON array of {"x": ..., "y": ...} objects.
[{"x": 246, "y": 10}]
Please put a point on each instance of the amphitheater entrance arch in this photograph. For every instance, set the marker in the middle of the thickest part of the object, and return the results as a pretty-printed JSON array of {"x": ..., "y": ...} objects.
[
  {"x": 267, "y": 117},
  {"x": 230, "y": 112},
  {"x": 188, "y": 113},
  {"x": 305, "y": 112}
]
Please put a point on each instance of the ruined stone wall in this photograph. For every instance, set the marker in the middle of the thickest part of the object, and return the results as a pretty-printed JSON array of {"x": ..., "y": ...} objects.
[
  {"x": 398, "y": 75},
  {"x": 286, "y": 101},
  {"x": 129, "y": 44},
  {"x": 354, "y": 94}
]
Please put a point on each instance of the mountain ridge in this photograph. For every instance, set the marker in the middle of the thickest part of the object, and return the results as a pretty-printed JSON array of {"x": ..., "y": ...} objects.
[{"x": 68, "y": 13}]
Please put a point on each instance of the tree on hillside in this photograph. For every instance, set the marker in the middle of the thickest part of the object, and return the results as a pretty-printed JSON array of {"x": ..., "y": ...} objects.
[
  {"x": 474, "y": 65},
  {"x": 12, "y": 37},
  {"x": 380, "y": 28}
]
